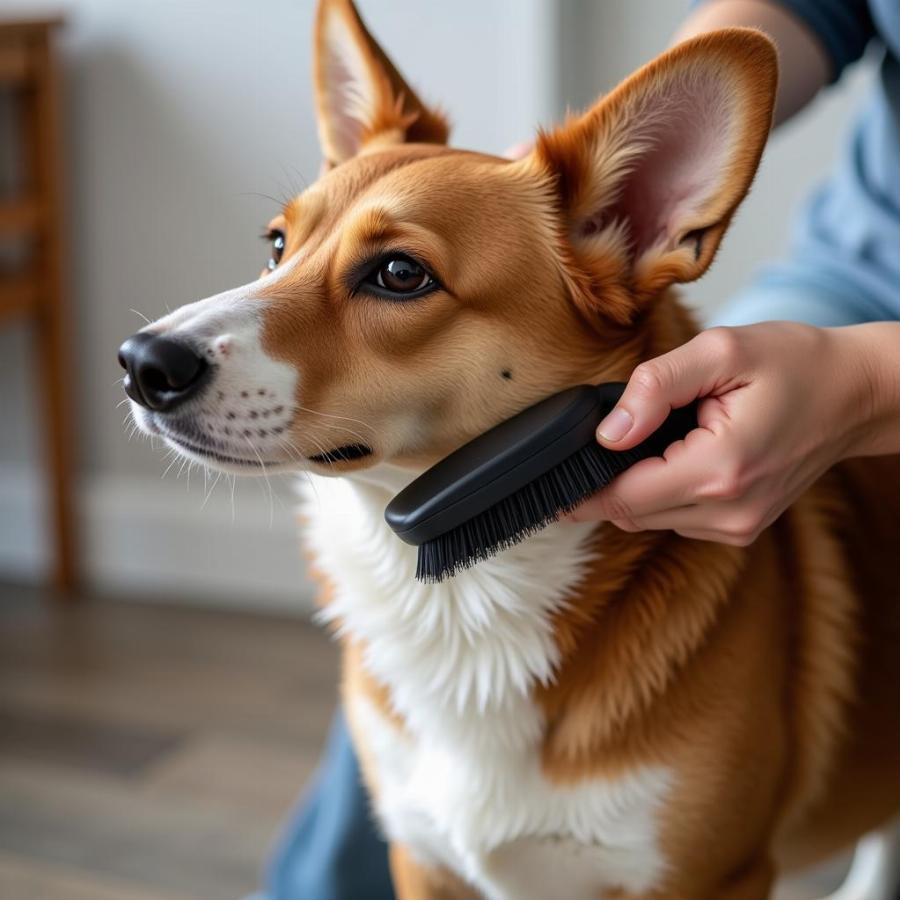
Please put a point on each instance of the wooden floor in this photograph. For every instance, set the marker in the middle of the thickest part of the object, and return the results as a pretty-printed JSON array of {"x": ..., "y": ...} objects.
[{"x": 151, "y": 752}]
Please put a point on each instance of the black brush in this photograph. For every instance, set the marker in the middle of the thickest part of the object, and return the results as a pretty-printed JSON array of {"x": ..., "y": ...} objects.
[{"x": 518, "y": 477}]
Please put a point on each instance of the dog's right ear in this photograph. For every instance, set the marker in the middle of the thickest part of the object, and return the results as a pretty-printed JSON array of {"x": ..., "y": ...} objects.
[{"x": 361, "y": 99}]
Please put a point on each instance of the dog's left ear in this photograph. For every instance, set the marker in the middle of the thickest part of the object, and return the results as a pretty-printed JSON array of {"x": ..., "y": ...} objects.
[
  {"x": 361, "y": 99},
  {"x": 649, "y": 178}
]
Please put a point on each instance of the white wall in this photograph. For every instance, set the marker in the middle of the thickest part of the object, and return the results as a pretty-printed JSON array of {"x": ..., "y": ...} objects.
[{"x": 187, "y": 121}]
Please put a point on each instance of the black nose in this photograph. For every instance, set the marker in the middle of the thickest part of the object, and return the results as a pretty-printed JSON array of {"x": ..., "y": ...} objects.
[{"x": 161, "y": 373}]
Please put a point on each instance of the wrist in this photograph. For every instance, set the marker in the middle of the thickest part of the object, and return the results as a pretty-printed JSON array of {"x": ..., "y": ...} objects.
[{"x": 871, "y": 370}]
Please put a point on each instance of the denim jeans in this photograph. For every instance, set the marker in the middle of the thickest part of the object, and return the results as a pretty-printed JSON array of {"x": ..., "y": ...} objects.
[{"x": 330, "y": 849}]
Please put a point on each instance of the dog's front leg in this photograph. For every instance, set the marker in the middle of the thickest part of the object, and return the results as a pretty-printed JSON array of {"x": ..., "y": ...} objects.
[{"x": 413, "y": 881}]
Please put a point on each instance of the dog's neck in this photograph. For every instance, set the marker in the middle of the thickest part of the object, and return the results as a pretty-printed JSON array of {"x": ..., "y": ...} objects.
[{"x": 475, "y": 645}]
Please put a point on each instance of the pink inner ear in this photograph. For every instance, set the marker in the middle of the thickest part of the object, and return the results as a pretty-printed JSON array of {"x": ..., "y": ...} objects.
[
  {"x": 349, "y": 91},
  {"x": 687, "y": 126},
  {"x": 343, "y": 96}
]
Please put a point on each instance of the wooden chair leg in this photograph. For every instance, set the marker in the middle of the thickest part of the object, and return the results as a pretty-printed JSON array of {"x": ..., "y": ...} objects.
[
  {"x": 52, "y": 338},
  {"x": 51, "y": 356}
]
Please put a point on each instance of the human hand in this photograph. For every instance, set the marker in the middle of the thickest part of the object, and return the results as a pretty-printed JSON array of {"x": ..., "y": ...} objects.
[{"x": 781, "y": 404}]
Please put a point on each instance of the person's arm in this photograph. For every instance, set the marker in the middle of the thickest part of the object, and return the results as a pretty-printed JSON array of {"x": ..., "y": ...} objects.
[
  {"x": 816, "y": 39},
  {"x": 781, "y": 403},
  {"x": 804, "y": 66},
  {"x": 877, "y": 346}
]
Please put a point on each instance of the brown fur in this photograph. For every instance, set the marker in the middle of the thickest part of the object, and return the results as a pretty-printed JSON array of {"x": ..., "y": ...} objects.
[{"x": 764, "y": 675}]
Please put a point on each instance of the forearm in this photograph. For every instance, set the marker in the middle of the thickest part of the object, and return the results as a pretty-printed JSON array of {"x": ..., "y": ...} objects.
[
  {"x": 804, "y": 66},
  {"x": 874, "y": 352}
]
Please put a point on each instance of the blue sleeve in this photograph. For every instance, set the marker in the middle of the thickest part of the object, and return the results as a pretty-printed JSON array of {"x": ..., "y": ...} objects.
[{"x": 843, "y": 27}]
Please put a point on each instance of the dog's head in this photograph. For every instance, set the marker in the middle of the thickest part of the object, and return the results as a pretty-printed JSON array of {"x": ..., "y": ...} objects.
[{"x": 416, "y": 295}]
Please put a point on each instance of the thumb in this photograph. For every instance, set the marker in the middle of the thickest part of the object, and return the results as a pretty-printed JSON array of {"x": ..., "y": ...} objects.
[{"x": 660, "y": 385}]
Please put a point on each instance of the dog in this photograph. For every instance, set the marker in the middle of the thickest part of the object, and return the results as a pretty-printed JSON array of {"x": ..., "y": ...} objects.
[{"x": 592, "y": 713}]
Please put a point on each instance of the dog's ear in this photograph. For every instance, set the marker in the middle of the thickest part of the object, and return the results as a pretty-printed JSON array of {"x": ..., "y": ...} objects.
[
  {"x": 360, "y": 97},
  {"x": 649, "y": 178}
]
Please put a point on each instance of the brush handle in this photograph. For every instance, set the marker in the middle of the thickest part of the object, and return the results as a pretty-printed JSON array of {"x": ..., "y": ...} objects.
[{"x": 513, "y": 454}]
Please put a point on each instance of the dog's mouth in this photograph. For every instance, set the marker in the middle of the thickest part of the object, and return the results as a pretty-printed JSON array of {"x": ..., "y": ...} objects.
[
  {"x": 187, "y": 438},
  {"x": 214, "y": 455},
  {"x": 345, "y": 453}
]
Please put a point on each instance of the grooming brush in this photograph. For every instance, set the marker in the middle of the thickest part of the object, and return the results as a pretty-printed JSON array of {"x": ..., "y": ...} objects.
[{"x": 515, "y": 479}]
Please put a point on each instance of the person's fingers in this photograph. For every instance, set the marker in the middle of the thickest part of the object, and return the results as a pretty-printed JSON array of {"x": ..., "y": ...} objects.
[
  {"x": 652, "y": 486},
  {"x": 737, "y": 523},
  {"x": 667, "y": 382}
]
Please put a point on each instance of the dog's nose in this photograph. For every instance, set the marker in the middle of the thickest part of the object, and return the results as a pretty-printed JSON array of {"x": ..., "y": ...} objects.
[{"x": 161, "y": 373}]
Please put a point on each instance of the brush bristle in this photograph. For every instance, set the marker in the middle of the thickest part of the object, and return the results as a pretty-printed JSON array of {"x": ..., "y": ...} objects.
[{"x": 524, "y": 512}]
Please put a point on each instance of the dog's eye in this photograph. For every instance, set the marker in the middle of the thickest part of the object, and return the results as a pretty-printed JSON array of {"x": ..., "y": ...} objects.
[
  {"x": 276, "y": 239},
  {"x": 400, "y": 276}
]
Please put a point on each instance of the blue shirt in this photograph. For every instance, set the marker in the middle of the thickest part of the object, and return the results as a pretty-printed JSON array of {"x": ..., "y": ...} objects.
[{"x": 844, "y": 264}]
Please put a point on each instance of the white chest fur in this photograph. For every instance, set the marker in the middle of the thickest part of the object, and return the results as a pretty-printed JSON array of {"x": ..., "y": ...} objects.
[{"x": 462, "y": 785}]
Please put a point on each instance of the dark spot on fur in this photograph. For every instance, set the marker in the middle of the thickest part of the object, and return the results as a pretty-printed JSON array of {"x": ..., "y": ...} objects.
[
  {"x": 254, "y": 414},
  {"x": 262, "y": 432},
  {"x": 231, "y": 415},
  {"x": 506, "y": 374},
  {"x": 278, "y": 410},
  {"x": 261, "y": 392},
  {"x": 244, "y": 394},
  {"x": 247, "y": 432}
]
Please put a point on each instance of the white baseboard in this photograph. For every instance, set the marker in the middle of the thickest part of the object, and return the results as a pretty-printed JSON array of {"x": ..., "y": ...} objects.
[{"x": 145, "y": 538}]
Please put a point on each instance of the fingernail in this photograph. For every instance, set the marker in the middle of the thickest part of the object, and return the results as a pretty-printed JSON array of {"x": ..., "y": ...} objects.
[{"x": 615, "y": 426}]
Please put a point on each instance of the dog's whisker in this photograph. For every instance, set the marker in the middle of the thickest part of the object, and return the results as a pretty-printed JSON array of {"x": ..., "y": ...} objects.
[
  {"x": 338, "y": 427},
  {"x": 304, "y": 181},
  {"x": 291, "y": 453},
  {"x": 174, "y": 459},
  {"x": 275, "y": 200},
  {"x": 268, "y": 482},
  {"x": 306, "y": 473},
  {"x": 344, "y": 430},
  {"x": 137, "y": 312},
  {"x": 319, "y": 446},
  {"x": 206, "y": 498},
  {"x": 316, "y": 412}
]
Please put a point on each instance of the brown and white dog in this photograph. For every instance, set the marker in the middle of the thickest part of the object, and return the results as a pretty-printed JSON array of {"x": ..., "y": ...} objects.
[{"x": 591, "y": 714}]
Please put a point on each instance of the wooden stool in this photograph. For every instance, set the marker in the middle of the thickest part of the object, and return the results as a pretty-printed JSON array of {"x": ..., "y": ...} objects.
[{"x": 34, "y": 216}]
